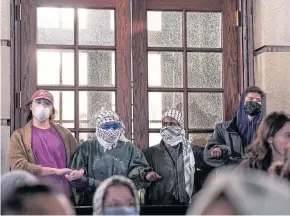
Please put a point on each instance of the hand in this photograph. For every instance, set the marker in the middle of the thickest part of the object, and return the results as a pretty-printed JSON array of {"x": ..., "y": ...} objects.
[
  {"x": 152, "y": 176},
  {"x": 63, "y": 171},
  {"x": 76, "y": 174},
  {"x": 216, "y": 152}
]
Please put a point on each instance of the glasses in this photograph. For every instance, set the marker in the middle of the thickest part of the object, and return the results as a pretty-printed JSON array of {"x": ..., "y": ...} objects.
[
  {"x": 107, "y": 126},
  {"x": 46, "y": 103}
]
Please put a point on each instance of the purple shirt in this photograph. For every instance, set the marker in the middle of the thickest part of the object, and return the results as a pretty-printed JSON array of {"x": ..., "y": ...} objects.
[{"x": 49, "y": 151}]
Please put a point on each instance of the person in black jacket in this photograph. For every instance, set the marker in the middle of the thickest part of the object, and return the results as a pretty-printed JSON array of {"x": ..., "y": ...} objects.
[
  {"x": 227, "y": 143},
  {"x": 177, "y": 161}
]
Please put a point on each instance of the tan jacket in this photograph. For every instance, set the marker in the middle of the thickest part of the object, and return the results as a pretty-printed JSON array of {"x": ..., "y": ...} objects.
[{"x": 20, "y": 152}]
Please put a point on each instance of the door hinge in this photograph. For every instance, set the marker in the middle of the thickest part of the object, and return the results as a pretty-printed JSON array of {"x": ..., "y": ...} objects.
[
  {"x": 18, "y": 12},
  {"x": 238, "y": 18},
  {"x": 18, "y": 99}
]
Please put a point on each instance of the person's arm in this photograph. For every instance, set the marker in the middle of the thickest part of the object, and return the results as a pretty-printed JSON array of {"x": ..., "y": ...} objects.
[
  {"x": 216, "y": 141},
  {"x": 18, "y": 157},
  {"x": 80, "y": 161},
  {"x": 138, "y": 167}
]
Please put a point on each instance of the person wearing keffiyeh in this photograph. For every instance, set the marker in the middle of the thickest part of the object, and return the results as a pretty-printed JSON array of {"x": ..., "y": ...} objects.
[
  {"x": 110, "y": 153},
  {"x": 176, "y": 160}
]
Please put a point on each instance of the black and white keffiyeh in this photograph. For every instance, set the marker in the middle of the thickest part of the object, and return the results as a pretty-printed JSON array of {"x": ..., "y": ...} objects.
[
  {"x": 108, "y": 138},
  {"x": 173, "y": 113}
]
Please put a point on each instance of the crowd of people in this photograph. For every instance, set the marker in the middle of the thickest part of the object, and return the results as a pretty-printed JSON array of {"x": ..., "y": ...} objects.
[{"x": 243, "y": 169}]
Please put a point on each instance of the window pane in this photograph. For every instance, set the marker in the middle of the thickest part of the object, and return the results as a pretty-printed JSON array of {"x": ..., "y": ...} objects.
[
  {"x": 97, "y": 68},
  {"x": 55, "y": 25},
  {"x": 96, "y": 27},
  {"x": 204, "y": 30},
  {"x": 154, "y": 139},
  {"x": 90, "y": 104},
  {"x": 165, "y": 69},
  {"x": 199, "y": 138},
  {"x": 64, "y": 106},
  {"x": 164, "y": 29},
  {"x": 204, "y": 70},
  {"x": 86, "y": 136},
  {"x": 161, "y": 101},
  {"x": 55, "y": 67},
  {"x": 205, "y": 110}
]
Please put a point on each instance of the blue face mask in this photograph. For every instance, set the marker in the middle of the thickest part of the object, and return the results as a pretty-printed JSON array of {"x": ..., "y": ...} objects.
[{"x": 120, "y": 211}]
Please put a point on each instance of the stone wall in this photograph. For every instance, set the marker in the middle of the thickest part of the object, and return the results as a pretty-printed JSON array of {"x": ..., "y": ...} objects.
[{"x": 272, "y": 56}]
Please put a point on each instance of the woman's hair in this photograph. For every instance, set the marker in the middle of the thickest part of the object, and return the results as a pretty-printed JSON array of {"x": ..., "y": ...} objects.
[
  {"x": 30, "y": 115},
  {"x": 282, "y": 169},
  {"x": 259, "y": 153}
]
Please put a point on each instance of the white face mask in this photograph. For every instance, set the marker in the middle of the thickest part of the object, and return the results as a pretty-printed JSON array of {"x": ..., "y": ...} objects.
[
  {"x": 41, "y": 112},
  {"x": 172, "y": 135}
]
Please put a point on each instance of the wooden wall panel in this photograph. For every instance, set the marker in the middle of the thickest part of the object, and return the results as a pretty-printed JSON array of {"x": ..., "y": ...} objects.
[
  {"x": 230, "y": 59},
  {"x": 123, "y": 57},
  {"x": 28, "y": 54},
  {"x": 140, "y": 76}
]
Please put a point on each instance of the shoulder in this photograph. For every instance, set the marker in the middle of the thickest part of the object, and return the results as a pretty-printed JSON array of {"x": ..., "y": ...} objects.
[
  {"x": 17, "y": 132},
  {"x": 130, "y": 146},
  {"x": 21, "y": 131},
  {"x": 152, "y": 150},
  {"x": 87, "y": 145},
  {"x": 223, "y": 125}
]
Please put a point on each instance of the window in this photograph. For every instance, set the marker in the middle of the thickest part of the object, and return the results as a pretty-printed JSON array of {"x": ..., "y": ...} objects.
[{"x": 184, "y": 56}]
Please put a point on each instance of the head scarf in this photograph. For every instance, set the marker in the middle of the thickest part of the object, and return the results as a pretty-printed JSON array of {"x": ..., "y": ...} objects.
[
  {"x": 108, "y": 138},
  {"x": 11, "y": 180},
  {"x": 101, "y": 191},
  {"x": 249, "y": 192},
  {"x": 175, "y": 114},
  {"x": 176, "y": 135},
  {"x": 247, "y": 129}
]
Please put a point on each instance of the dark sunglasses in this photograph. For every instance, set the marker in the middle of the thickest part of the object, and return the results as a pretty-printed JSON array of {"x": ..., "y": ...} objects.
[{"x": 114, "y": 126}]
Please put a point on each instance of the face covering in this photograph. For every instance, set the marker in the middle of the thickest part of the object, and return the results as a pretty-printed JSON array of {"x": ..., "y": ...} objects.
[
  {"x": 172, "y": 135},
  {"x": 110, "y": 135},
  {"x": 120, "y": 211},
  {"x": 252, "y": 108},
  {"x": 41, "y": 112}
]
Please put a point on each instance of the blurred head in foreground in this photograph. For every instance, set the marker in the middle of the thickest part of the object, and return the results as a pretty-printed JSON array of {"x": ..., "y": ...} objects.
[
  {"x": 37, "y": 199},
  {"x": 11, "y": 180},
  {"x": 242, "y": 193},
  {"x": 117, "y": 195}
]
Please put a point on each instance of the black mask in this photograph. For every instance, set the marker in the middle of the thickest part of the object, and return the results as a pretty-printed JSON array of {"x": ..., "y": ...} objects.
[{"x": 252, "y": 108}]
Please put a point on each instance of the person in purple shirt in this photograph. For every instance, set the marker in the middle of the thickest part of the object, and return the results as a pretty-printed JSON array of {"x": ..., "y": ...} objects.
[{"x": 41, "y": 146}]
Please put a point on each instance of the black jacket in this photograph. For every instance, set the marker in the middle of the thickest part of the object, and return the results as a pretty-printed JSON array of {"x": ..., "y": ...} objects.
[
  {"x": 226, "y": 137},
  {"x": 170, "y": 190}
]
